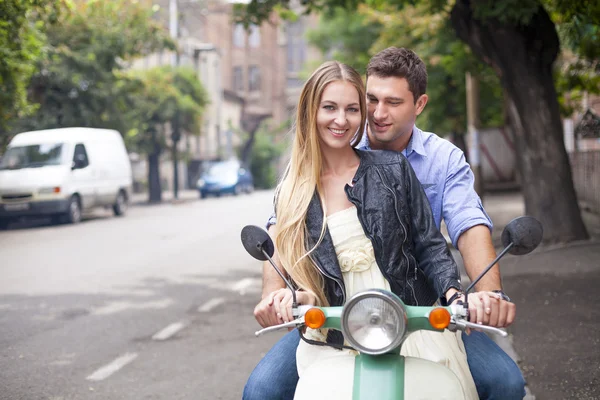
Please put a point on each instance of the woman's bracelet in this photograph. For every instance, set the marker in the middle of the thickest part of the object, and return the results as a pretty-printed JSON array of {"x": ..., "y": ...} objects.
[{"x": 455, "y": 296}]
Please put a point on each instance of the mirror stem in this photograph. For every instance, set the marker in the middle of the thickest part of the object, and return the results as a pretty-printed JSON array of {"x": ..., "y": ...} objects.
[
  {"x": 472, "y": 285},
  {"x": 289, "y": 285}
]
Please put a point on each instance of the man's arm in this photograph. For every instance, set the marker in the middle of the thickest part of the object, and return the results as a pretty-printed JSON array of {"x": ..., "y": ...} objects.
[
  {"x": 264, "y": 312},
  {"x": 475, "y": 247},
  {"x": 470, "y": 231},
  {"x": 271, "y": 279},
  {"x": 477, "y": 251}
]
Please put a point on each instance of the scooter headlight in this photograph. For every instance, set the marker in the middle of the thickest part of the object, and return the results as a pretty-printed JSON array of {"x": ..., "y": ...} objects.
[{"x": 374, "y": 322}]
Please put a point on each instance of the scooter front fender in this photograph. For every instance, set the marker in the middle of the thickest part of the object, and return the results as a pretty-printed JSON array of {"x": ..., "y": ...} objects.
[
  {"x": 393, "y": 377},
  {"x": 379, "y": 377}
]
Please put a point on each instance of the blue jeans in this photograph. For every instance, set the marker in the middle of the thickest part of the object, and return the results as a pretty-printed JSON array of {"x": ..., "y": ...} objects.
[{"x": 495, "y": 374}]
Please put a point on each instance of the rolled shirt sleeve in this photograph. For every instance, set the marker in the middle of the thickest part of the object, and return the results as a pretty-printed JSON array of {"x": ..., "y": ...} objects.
[{"x": 462, "y": 207}]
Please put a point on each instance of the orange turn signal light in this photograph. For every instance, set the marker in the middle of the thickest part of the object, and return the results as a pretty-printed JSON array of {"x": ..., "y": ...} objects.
[
  {"x": 314, "y": 318},
  {"x": 439, "y": 318}
]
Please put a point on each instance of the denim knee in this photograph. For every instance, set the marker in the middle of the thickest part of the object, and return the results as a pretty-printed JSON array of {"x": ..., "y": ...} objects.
[
  {"x": 495, "y": 374},
  {"x": 506, "y": 383},
  {"x": 275, "y": 377}
]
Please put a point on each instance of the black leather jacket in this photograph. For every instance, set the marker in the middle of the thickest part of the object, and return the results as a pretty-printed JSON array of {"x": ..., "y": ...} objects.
[{"x": 396, "y": 216}]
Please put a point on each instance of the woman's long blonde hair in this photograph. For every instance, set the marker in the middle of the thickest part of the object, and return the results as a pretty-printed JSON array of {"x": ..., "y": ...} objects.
[{"x": 303, "y": 177}]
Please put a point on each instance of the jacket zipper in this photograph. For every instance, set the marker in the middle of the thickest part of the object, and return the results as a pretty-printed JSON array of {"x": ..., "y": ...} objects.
[{"x": 383, "y": 181}]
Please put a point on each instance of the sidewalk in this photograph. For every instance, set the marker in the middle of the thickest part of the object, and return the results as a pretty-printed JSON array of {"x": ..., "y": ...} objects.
[
  {"x": 141, "y": 199},
  {"x": 555, "y": 337}
]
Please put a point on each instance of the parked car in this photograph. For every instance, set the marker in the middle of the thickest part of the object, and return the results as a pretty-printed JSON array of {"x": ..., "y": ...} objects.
[
  {"x": 62, "y": 173},
  {"x": 225, "y": 177}
]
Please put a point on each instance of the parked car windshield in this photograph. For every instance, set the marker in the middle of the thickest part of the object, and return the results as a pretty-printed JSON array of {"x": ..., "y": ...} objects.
[
  {"x": 223, "y": 170},
  {"x": 32, "y": 156}
]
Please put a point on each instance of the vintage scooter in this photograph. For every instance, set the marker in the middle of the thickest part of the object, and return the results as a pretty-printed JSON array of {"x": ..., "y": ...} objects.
[{"x": 376, "y": 322}]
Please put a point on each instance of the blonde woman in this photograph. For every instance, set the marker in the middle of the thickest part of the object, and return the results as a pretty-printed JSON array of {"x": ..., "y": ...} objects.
[{"x": 350, "y": 220}]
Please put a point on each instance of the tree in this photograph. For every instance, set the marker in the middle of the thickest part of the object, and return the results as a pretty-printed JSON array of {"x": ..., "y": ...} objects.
[
  {"x": 80, "y": 80},
  {"x": 347, "y": 36},
  {"x": 261, "y": 150},
  {"x": 519, "y": 40},
  {"x": 157, "y": 96},
  {"x": 22, "y": 26}
]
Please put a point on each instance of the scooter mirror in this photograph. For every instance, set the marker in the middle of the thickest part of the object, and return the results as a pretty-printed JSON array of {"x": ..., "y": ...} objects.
[
  {"x": 255, "y": 240},
  {"x": 525, "y": 233}
]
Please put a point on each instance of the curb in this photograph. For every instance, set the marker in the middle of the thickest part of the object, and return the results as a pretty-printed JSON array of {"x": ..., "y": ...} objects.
[{"x": 142, "y": 199}]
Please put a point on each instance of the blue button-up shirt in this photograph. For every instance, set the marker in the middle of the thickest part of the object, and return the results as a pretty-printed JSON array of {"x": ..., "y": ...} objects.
[{"x": 447, "y": 180}]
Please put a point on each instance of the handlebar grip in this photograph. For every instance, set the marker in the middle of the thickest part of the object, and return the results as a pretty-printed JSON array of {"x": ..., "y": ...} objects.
[
  {"x": 290, "y": 324},
  {"x": 462, "y": 325}
]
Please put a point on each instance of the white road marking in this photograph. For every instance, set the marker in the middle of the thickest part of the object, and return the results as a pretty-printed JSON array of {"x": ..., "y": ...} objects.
[
  {"x": 242, "y": 286},
  {"x": 119, "y": 306},
  {"x": 169, "y": 331},
  {"x": 109, "y": 369},
  {"x": 212, "y": 303}
]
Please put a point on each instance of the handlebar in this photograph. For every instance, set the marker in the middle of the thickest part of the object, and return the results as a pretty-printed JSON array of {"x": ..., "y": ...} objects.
[
  {"x": 297, "y": 311},
  {"x": 459, "y": 321},
  {"x": 294, "y": 323}
]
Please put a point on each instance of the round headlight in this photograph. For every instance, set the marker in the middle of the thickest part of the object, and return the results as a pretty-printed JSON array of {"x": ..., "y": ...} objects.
[{"x": 374, "y": 322}]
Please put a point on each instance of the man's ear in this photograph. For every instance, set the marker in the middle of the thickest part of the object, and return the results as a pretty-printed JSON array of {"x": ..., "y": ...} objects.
[{"x": 421, "y": 103}]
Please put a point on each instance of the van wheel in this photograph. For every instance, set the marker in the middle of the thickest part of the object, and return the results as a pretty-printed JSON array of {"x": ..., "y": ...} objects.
[
  {"x": 73, "y": 215},
  {"x": 4, "y": 222},
  {"x": 120, "y": 206}
]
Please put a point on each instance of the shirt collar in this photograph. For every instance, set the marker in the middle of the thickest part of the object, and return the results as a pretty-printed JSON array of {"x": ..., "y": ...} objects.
[{"x": 414, "y": 144}]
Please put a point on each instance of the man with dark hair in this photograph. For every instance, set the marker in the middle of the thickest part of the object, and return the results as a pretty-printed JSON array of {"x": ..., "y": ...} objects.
[{"x": 396, "y": 95}]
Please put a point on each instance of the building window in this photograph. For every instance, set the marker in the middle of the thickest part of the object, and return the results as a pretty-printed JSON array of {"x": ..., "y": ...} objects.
[
  {"x": 296, "y": 46},
  {"x": 238, "y": 35},
  {"x": 238, "y": 79},
  {"x": 253, "y": 78},
  {"x": 254, "y": 36}
]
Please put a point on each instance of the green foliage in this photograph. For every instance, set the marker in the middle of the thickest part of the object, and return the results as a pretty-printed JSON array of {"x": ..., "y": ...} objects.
[
  {"x": 578, "y": 68},
  {"x": 266, "y": 151},
  {"x": 22, "y": 26},
  {"x": 158, "y": 94},
  {"x": 346, "y": 37},
  {"x": 79, "y": 81}
]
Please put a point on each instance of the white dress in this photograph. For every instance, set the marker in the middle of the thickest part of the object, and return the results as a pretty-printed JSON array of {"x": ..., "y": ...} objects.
[{"x": 316, "y": 364}]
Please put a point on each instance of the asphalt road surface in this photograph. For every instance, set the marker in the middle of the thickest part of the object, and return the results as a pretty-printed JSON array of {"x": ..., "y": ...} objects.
[{"x": 155, "y": 305}]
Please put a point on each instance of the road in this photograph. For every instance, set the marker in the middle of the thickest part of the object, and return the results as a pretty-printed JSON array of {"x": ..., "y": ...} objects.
[{"x": 155, "y": 305}]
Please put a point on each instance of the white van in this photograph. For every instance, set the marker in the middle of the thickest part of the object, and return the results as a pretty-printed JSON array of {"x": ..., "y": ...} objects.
[{"x": 64, "y": 172}]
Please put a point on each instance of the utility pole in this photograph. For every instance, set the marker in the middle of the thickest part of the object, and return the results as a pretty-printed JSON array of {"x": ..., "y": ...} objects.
[
  {"x": 473, "y": 126},
  {"x": 175, "y": 128}
]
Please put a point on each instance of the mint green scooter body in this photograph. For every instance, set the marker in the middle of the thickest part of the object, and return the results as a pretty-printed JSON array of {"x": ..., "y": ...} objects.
[{"x": 383, "y": 377}]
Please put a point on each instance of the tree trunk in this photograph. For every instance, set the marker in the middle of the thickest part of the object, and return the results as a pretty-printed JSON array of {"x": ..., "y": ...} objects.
[
  {"x": 154, "y": 187},
  {"x": 522, "y": 56},
  {"x": 250, "y": 123}
]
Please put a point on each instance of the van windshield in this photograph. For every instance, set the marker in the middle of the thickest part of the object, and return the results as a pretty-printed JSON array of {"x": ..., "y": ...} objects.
[{"x": 32, "y": 156}]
